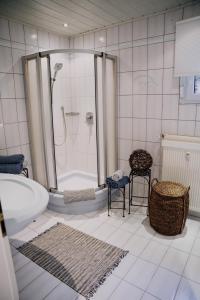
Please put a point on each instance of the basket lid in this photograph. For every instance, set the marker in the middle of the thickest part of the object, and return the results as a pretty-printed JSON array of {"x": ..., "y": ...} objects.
[{"x": 169, "y": 188}]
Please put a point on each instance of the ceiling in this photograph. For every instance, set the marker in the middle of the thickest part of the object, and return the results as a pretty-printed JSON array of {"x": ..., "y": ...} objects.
[{"x": 80, "y": 15}]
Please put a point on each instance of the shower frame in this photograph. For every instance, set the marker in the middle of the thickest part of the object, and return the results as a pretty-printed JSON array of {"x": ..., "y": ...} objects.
[{"x": 46, "y": 54}]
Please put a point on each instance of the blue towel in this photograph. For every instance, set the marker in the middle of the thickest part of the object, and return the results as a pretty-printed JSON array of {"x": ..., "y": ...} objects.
[
  {"x": 12, "y": 159},
  {"x": 11, "y": 168},
  {"x": 117, "y": 184}
]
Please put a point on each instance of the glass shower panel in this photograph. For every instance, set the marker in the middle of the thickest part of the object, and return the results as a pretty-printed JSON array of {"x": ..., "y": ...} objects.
[
  {"x": 106, "y": 107},
  {"x": 35, "y": 120},
  {"x": 101, "y": 129},
  {"x": 47, "y": 122},
  {"x": 74, "y": 119},
  {"x": 110, "y": 115}
]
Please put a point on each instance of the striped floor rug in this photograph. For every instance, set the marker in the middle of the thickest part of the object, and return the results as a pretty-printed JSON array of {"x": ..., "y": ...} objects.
[{"x": 77, "y": 259}]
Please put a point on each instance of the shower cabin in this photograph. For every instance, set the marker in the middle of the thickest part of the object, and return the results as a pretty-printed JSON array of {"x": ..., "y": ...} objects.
[{"x": 72, "y": 115}]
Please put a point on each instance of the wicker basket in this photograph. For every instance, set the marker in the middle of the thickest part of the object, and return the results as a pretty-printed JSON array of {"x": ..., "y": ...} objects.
[
  {"x": 168, "y": 207},
  {"x": 140, "y": 160}
]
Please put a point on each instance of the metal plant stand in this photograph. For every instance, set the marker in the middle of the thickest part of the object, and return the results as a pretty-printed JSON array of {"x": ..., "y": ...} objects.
[
  {"x": 146, "y": 174},
  {"x": 121, "y": 186},
  {"x": 140, "y": 162}
]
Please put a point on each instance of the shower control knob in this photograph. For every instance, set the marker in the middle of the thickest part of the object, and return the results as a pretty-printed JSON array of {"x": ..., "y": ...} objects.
[{"x": 89, "y": 117}]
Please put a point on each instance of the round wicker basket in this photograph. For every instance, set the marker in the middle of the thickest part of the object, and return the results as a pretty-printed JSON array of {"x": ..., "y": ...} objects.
[
  {"x": 168, "y": 207},
  {"x": 140, "y": 160}
]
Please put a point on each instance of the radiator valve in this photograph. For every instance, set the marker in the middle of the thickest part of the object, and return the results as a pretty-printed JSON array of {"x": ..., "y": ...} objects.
[{"x": 187, "y": 155}]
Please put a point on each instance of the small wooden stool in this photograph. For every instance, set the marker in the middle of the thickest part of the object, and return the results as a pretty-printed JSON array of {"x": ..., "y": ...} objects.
[{"x": 121, "y": 186}]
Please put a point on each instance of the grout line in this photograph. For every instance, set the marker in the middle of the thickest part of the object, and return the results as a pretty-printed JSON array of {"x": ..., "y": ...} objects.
[
  {"x": 33, "y": 279},
  {"x": 139, "y": 257}
]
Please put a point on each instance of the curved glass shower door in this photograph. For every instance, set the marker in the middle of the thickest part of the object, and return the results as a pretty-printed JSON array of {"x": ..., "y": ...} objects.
[
  {"x": 72, "y": 109},
  {"x": 74, "y": 120}
]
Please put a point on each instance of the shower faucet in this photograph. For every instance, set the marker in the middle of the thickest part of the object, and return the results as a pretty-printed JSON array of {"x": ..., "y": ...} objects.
[{"x": 89, "y": 117}]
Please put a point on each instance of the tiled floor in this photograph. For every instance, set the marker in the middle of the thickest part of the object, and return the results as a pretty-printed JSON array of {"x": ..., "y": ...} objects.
[{"x": 157, "y": 267}]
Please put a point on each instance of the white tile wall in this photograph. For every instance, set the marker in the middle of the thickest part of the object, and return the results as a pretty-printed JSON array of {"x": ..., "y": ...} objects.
[
  {"x": 125, "y": 106},
  {"x": 139, "y": 58},
  {"x": 112, "y": 35},
  {"x": 170, "y": 106},
  {"x": 170, "y": 83},
  {"x": 125, "y": 32},
  {"x": 125, "y": 83},
  {"x": 125, "y": 56},
  {"x": 89, "y": 41},
  {"x": 169, "y": 54},
  {"x": 16, "y": 32},
  {"x": 155, "y": 81},
  {"x": 140, "y": 82},
  {"x": 154, "y": 106},
  {"x": 155, "y": 56},
  {"x": 17, "y": 40},
  {"x": 140, "y": 29},
  {"x": 149, "y": 93},
  {"x": 156, "y": 25},
  {"x": 139, "y": 106},
  {"x": 170, "y": 20}
]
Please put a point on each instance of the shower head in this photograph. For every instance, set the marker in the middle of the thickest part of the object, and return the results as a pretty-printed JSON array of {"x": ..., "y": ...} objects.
[{"x": 58, "y": 67}]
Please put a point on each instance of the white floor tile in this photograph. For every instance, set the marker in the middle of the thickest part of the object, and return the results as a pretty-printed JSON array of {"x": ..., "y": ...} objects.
[
  {"x": 62, "y": 292},
  {"x": 13, "y": 250},
  {"x": 107, "y": 288},
  {"x": 196, "y": 247},
  {"x": 46, "y": 226},
  {"x": 27, "y": 274},
  {"x": 154, "y": 252},
  {"x": 76, "y": 221},
  {"x": 147, "y": 296},
  {"x": 141, "y": 273},
  {"x": 119, "y": 238},
  {"x": 104, "y": 231},
  {"x": 91, "y": 225},
  {"x": 124, "y": 266},
  {"x": 145, "y": 231},
  {"x": 116, "y": 220},
  {"x": 19, "y": 261},
  {"x": 40, "y": 287},
  {"x": 126, "y": 291},
  {"x": 175, "y": 260},
  {"x": 164, "y": 284},
  {"x": 132, "y": 233},
  {"x": 183, "y": 243},
  {"x": 38, "y": 222},
  {"x": 163, "y": 239},
  {"x": 192, "y": 269},
  {"x": 192, "y": 227},
  {"x": 131, "y": 224},
  {"x": 20, "y": 233},
  {"x": 136, "y": 244},
  {"x": 188, "y": 290},
  {"x": 23, "y": 238},
  {"x": 80, "y": 297}
]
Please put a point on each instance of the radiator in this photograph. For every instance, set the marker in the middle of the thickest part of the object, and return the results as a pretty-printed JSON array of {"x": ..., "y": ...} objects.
[{"x": 181, "y": 163}]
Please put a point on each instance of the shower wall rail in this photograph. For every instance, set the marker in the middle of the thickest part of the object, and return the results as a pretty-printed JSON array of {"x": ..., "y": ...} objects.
[{"x": 37, "y": 76}]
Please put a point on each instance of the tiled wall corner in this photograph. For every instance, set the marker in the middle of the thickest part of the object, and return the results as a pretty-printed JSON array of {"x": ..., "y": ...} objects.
[
  {"x": 148, "y": 92},
  {"x": 17, "y": 40}
]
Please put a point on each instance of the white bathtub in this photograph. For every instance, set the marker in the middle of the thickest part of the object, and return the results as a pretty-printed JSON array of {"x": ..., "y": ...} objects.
[{"x": 22, "y": 200}]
